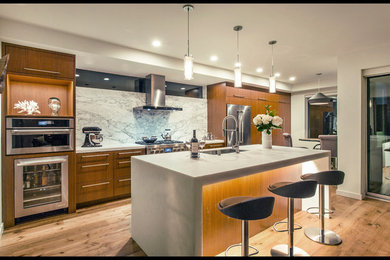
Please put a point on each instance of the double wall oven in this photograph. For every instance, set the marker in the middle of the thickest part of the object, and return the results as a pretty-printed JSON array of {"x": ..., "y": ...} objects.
[{"x": 41, "y": 182}]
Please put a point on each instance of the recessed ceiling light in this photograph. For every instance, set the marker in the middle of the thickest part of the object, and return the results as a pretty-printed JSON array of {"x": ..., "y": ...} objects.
[
  {"x": 182, "y": 88},
  {"x": 214, "y": 58},
  {"x": 259, "y": 69},
  {"x": 277, "y": 74},
  {"x": 106, "y": 78},
  {"x": 292, "y": 78},
  {"x": 77, "y": 75},
  {"x": 156, "y": 43}
]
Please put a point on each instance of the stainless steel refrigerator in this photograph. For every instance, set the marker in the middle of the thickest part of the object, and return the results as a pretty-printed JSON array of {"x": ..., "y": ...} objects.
[{"x": 243, "y": 117}]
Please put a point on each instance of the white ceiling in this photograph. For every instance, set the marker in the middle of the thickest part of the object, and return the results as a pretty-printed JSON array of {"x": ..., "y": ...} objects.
[{"x": 310, "y": 36}]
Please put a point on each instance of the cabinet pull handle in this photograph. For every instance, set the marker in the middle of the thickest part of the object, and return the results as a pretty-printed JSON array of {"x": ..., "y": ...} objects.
[
  {"x": 234, "y": 95},
  {"x": 94, "y": 155},
  {"x": 124, "y": 162},
  {"x": 96, "y": 184},
  {"x": 284, "y": 102},
  {"x": 47, "y": 71},
  {"x": 124, "y": 180},
  {"x": 94, "y": 165},
  {"x": 129, "y": 153},
  {"x": 262, "y": 99}
]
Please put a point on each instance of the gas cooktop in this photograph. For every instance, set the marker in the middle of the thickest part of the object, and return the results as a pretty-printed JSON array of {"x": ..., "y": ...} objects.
[{"x": 159, "y": 142}]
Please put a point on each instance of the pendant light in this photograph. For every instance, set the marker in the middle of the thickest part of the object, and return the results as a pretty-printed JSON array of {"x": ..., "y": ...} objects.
[
  {"x": 237, "y": 66},
  {"x": 272, "y": 77},
  {"x": 188, "y": 59},
  {"x": 319, "y": 98}
]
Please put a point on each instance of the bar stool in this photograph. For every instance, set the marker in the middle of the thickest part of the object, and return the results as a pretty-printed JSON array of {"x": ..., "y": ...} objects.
[
  {"x": 292, "y": 190},
  {"x": 320, "y": 234},
  {"x": 246, "y": 208}
]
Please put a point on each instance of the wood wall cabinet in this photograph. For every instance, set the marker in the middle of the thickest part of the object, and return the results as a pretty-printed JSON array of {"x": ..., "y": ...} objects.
[
  {"x": 35, "y": 74},
  {"x": 104, "y": 175},
  {"x": 220, "y": 94},
  {"x": 38, "y": 62}
]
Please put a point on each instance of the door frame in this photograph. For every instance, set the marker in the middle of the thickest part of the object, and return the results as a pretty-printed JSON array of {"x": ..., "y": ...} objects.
[{"x": 368, "y": 73}]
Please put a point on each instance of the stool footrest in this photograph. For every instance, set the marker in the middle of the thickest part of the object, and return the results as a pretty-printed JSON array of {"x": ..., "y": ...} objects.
[
  {"x": 254, "y": 253},
  {"x": 327, "y": 211},
  {"x": 284, "y": 230}
]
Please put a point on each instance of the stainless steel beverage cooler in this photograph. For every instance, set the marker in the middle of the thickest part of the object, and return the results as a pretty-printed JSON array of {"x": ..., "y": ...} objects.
[{"x": 41, "y": 185}]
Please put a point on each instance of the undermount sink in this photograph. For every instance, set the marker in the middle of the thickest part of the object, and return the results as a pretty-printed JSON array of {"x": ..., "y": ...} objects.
[{"x": 222, "y": 151}]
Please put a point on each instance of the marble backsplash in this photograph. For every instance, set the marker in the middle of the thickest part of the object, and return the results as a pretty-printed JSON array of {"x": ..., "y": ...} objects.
[{"x": 112, "y": 111}]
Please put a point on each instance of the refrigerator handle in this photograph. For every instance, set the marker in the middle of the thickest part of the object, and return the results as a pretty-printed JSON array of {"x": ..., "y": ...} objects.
[{"x": 240, "y": 114}]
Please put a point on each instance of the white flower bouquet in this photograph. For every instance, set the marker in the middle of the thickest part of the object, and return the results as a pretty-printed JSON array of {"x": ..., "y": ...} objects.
[
  {"x": 27, "y": 106},
  {"x": 267, "y": 121}
]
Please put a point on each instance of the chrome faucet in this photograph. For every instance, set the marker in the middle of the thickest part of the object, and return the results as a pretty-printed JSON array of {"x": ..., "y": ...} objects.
[{"x": 235, "y": 146}]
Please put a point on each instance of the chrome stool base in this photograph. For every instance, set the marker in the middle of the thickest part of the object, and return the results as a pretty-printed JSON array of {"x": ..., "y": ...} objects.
[
  {"x": 283, "y": 250},
  {"x": 284, "y": 230},
  {"x": 230, "y": 247},
  {"x": 328, "y": 237}
]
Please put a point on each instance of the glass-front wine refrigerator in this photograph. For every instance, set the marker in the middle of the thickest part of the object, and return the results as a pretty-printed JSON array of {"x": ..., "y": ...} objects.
[{"x": 41, "y": 185}]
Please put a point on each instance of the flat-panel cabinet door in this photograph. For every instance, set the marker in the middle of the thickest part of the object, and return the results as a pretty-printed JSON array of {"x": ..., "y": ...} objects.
[
  {"x": 17, "y": 58},
  {"x": 49, "y": 64}
]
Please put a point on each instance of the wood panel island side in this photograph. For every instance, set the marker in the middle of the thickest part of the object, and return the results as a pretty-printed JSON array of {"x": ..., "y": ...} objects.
[{"x": 174, "y": 198}]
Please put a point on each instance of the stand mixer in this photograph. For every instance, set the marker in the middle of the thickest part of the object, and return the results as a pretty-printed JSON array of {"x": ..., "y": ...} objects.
[{"x": 93, "y": 137}]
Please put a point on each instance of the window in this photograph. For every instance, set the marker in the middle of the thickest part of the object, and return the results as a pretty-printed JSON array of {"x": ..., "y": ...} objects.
[
  {"x": 94, "y": 79},
  {"x": 321, "y": 119}
]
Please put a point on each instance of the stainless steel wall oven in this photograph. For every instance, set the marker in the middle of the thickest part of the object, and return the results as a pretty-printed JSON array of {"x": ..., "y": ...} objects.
[
  {"x": 39, "y": 135},
  {"x": 41, "y": 184}
]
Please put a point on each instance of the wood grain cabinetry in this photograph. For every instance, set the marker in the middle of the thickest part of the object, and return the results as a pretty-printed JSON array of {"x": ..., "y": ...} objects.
[
  {"x": 39, "y": 62},
  {"x": 220, "y": 94},
  {"x": 217, "y": 145},
  {"x": 104, "y": 175}
]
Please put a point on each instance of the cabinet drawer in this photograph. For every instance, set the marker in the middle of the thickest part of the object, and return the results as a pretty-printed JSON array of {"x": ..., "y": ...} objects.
[
  {"x": 128, "y": 153},
  {"x": 94, "y": 191},
  {"x": 94, "y": 157},
  {"x": 122, "y": 186},
  {"x": 218, "y": 145},
  {"x": 119, "y": 164},
  {"x": 94, "y": 172}
]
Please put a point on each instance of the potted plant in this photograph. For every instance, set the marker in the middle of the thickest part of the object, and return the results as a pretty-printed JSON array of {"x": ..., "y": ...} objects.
[{"x": 265, "y": 123}]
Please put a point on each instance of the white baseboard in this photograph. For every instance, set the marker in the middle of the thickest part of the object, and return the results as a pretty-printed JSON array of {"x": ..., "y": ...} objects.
[
  {"x": 348, "y": 194},
  {"x": 1, "y": 228}
]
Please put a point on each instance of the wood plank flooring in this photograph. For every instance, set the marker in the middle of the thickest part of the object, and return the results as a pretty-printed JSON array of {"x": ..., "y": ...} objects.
[{"x": 104, "y": 230}]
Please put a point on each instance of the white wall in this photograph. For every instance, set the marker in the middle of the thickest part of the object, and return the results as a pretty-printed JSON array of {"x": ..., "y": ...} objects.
[{"x": 351, "y": 110}]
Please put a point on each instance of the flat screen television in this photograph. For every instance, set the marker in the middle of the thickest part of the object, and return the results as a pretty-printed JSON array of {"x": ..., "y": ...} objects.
[{"x": 3, "y": 70}]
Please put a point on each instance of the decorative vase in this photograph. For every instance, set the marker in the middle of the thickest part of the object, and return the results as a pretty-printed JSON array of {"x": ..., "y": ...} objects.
[
  {"x": 266, "y": 139},
  {"x": 54, "y": 105}
]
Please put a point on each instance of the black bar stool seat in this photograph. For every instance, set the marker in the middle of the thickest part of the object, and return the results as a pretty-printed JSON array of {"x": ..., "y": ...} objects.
[
  {"x": 246, "y": 208},
  {"x": 320, "y": 234},
  {"x": 292, "y": 190}
]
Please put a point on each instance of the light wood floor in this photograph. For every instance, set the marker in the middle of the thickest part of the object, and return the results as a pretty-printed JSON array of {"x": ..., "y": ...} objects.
[{"x": 104, "y": 230}]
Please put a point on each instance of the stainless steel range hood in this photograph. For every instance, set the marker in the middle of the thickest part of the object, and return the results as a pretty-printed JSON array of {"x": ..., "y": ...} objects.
[{"x": 155, "y": 94}]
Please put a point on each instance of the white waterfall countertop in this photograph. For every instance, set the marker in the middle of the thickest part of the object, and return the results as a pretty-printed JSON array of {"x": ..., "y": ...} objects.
[{"x": 167, "y": 191}]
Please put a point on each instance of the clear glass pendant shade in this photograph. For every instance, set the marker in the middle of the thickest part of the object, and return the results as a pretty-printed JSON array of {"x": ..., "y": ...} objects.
[
  {"x": 237, "y": 77},
  {"x": 272, "y": 84},
  {"x": 188, "y": 67}
]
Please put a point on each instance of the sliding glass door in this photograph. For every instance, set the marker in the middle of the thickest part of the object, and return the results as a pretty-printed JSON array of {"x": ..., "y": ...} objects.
[{"x": 378, "y": 148}]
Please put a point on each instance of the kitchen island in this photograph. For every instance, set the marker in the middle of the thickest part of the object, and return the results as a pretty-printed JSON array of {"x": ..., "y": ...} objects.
[{"x": 174, "y": 197}]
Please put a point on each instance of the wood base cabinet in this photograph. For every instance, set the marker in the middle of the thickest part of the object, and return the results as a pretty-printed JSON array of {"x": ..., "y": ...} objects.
[{"x": 104, "y": 175}]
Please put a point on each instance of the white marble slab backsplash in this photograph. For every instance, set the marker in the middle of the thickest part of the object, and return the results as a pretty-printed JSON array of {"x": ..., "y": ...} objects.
[{"x": 112, "y": 111}]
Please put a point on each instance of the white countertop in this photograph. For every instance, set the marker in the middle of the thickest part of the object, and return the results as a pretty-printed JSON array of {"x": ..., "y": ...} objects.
[
  {"x": 117, "y": 147},
  {"x": 212, "y": 168},
  {"x": 107, "y": 148}
]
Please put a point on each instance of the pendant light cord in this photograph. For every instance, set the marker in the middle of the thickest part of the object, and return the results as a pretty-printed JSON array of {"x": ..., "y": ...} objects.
[
  {"x": 188, "y": 32},
  {"x": 272, "y": 69},
  {"x": 238, "y": 53}
]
